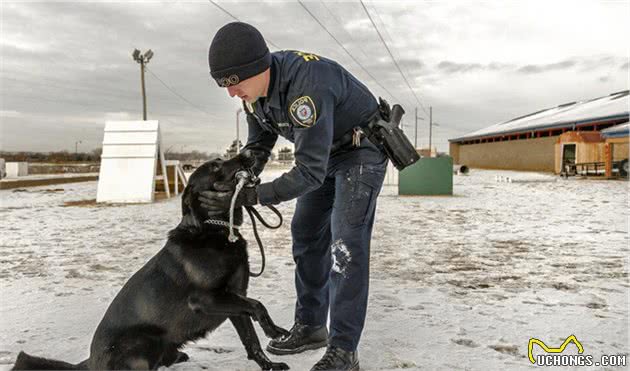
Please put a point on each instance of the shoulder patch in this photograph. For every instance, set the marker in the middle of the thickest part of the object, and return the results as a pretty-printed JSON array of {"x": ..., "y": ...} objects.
[
  {"x": 302, "y": 112},
  {"x": 307, "y": 56}
]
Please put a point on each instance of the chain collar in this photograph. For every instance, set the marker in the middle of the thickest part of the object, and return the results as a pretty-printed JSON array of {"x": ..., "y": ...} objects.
[
  {"x": 221, "y": 223},
  {"x": 242, "y": 177}
]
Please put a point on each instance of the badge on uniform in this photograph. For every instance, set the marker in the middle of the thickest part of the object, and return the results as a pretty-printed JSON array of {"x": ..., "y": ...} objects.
[{"x": 302, "y": 112}]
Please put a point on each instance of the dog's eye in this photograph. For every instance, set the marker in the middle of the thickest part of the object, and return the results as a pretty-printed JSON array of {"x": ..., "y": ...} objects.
[{"x": 216, "y": 164}]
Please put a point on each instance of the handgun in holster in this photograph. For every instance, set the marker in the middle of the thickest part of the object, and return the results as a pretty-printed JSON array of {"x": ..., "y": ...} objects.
[{"x": 384, "y": 131}]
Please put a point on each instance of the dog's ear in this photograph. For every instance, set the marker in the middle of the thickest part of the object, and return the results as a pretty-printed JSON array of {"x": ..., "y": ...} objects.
[
  {"x": 189, "y": 217},
  {"x": 223, "y": 186},
  {"x": 186, "y": 201}
]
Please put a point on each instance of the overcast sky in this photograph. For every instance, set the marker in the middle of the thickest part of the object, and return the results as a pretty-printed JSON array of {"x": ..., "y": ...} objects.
[{"x": 66, "y": 66}]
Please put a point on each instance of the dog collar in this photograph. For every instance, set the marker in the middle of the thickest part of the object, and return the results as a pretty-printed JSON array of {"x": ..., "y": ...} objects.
[{"x": 221, "y": 223}]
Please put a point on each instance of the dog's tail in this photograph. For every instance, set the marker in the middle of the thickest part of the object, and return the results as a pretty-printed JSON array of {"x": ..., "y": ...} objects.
[{"x": 28, "y": 362}]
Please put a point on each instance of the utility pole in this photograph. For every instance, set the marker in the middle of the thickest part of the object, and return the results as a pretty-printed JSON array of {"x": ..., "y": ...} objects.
[
  {"x": 415, "y": 139},
  {"x": 430, "y": 129},
  {"x": 238, "y": 147},
  {"x": 144, "y": 92},
  {"x": 415, "y": 142},
  {"x": 142, "y": 59}
]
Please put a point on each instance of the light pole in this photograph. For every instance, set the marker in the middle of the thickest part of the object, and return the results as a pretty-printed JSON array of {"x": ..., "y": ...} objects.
[
  {"x": 168, "y": 150},
  {"x": 415, "y": 141},
  {"x": 430, "y": 151},
  {"x": 430, "y": 128},
  {"x": 142, "y": 59},
  {"x": 238, "y": 147}
]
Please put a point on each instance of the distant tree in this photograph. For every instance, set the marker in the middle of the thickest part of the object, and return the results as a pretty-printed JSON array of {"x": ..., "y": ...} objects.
[
  {"x": 97, "y": 152},
  {"x": 232, "y": 150},
  {"x": 214, "y": 155},
  {"x": 285, "y": 154},
  {"x": 53, "y": 157}
]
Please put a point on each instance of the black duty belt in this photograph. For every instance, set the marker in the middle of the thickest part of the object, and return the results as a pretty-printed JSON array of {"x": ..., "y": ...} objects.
[
  {"x": 352, "y": 138},
  {"x": 382, "y": 129}
]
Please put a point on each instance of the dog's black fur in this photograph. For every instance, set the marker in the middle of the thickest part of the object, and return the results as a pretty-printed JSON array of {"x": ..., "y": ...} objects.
[{"x": 197, "y": 281}]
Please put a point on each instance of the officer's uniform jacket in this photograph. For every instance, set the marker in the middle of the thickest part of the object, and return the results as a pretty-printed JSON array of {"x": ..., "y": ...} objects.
[{"x": 311, "y": 101}]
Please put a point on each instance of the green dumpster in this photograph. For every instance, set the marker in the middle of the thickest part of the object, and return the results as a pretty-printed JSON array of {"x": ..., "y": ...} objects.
[{"x": 428, "y": 176}]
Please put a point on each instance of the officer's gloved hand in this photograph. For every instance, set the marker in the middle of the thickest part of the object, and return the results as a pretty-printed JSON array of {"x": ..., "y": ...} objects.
[
  {"x": 248, "y": 196},
  {"x": 218, "y": 202}
]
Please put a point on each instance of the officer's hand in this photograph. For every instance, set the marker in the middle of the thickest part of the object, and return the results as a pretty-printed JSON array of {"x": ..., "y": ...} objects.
[
  {"x": 248, "y": 196},
  {"x": 218, "y": 202},
  {"x": 215, "y": 202}
]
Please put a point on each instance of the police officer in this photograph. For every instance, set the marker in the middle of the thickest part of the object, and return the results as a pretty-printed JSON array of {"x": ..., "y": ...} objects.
[{"x": 313, "y": 102}]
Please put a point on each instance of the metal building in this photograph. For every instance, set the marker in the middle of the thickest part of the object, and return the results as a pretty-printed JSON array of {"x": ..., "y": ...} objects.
[
  {"x": 616, "y": 150},
  {"x": 529, "y": 142}
]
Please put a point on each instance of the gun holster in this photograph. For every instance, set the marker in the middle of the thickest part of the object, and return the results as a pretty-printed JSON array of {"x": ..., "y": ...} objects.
[{"x": 384, "y": 131}]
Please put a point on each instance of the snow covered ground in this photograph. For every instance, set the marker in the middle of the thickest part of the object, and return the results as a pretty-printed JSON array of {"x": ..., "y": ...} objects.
[
  {"x": 49, "y": 176},
  {"x": 459, "y": 282}
]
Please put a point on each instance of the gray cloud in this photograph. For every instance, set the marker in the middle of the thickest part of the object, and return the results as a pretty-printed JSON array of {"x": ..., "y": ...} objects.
[
  {"x": 456, "y": 67},
  {"x": 451, "y": 67},
  {"x": 593, "y": 63},
  {"x": 67, "y": 66},
  {"x": 582, "y": 63},
  {"x": 539, "y": 68}
]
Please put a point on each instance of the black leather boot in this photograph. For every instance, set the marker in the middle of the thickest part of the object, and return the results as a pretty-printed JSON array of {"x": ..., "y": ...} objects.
[
  {"x": 302, "y": 337},
  {"x": 337, "y": 359}
]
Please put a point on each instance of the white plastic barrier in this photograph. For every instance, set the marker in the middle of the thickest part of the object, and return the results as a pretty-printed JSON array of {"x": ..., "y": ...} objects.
[
  {"x": 16, "y": 169},
  {"x": 3, "y": 168},
  {"x": 129, "y": 161}
]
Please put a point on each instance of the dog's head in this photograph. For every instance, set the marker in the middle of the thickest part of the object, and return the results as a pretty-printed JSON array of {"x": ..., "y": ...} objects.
[{"x": 215, "y": 175}]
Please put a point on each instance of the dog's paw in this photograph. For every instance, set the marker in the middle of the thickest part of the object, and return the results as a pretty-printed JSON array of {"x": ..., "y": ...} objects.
[
  {"x": 281, "y": 332},
  {"x": 181, "y": 357},
  {"x": 265, "y": 363},
  {"x": 274, "y": 332}
]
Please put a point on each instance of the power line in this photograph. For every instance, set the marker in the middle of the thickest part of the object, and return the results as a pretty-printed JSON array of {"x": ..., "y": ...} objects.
[
  {"x": 342, "y": 46},
  {"x": 176, "y": 93},
  {"x": 98, "y": 108},
  {"x": 112, "y": 98},
  {"x": 63, "y": 84},
  {"x": 106, "y": 93},
  {"x": 100, "y": 94},
  {"x": 353, "y": 40},
  {"x": 346, "y": 50},
  {"x": 384, "y": 26},
  {"x": 236, "y": 18},
  {"x": 392, "y": 56}
]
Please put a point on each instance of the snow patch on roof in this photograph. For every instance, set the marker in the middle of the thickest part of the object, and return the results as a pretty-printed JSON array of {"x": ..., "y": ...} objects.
[
  {"x": 616, "y": 131},
  {"x": 613, "y": 106}
]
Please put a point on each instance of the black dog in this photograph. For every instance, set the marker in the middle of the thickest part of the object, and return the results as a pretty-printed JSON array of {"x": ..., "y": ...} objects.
[{"x": 197, "y": 281}]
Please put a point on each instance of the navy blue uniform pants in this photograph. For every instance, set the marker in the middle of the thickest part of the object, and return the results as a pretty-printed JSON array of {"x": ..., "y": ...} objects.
[{"x": 331, "y": 229}]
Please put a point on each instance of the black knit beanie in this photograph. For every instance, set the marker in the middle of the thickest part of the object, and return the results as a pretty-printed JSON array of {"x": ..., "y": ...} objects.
[{"x": 237, "y": 52}]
